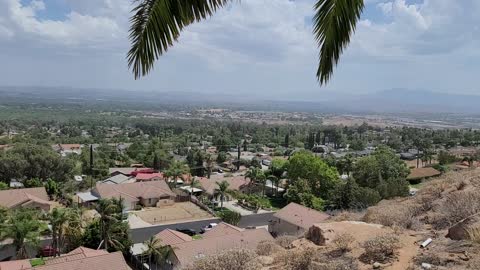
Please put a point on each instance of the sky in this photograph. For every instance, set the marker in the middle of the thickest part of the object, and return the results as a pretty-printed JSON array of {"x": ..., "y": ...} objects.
[{"x": 259, "y": 48}]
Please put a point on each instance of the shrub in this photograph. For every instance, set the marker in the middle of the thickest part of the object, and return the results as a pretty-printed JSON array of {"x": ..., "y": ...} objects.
[
  {"x": 474, "y": 234},
  {"x": 267, "y": 247},
  {"x": 230, "y": 217},
  {"x": 235, "y": 259},
  {"x": 460, "y": 205},
  {"x": 298, "y": 259},
  {"x": 342, "y": 263},
  {"x": 285, "y": 241},
  {"x": 394, "y": 213},
  {"x": 380, "y": 248},
  {"x": 344, "y": 242}
]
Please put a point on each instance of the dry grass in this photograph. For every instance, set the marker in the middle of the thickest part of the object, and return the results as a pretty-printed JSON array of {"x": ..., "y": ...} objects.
[
  {"x": 297, "y": 259},
  {"x": 236, "y": 259},
  {"x": 285, "y": 241},
  {"x": 343, "y": 242},
  {"x": 267, "y": 248},
  {"x": 460, "y": 205},
  {"x": 394, "y": 213},
  {"x": 474, "y": 235},
  {"x": 380, "y": 248}
]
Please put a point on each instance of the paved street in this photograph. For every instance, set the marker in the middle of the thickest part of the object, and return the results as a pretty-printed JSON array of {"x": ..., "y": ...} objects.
[{"x": 232, "y": 205}]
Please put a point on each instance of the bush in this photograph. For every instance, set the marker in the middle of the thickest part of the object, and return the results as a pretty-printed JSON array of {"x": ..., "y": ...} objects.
[
  {"x": 298, "y": 259},
  {"x": 285, "y": 241},
  {"x": 267, "y": 248},
  {"x": 230, "y": 217},
  {"x": 394, "y": 213},
  {"x": 343, "y": 242},
  {"x": 235, "y": 259},
  {"x": 460, "y": 205},
  {"x": 380, "y": 248}
]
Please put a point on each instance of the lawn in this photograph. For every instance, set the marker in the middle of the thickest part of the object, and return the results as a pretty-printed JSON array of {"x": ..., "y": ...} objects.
[{"x": 37, "y": 262}]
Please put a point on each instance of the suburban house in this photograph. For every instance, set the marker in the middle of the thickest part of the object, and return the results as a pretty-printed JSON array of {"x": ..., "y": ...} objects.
[
  {"x": 210, "y": 187},
  {"x": 36, "y": 198},
  {"x": 222, "y": 229},
  {"x": 185, "y": 253},
  {"x": 147, "y": 194},
  {"x": 418, "y": 174},
  {"x": 118, "y": 179},
  {"x": 295, "y": 219},
  {"x": 67, "y": 149},
  {"x": 79, "y": 259},
  {"x": 145, "y": 177}
]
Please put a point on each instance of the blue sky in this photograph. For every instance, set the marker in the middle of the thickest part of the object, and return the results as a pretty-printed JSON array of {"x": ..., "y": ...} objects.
[{"x": 256, "y": 47}]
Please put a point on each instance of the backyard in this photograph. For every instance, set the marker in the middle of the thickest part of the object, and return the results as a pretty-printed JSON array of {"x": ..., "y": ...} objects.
[{"x": 183, "y": 211}]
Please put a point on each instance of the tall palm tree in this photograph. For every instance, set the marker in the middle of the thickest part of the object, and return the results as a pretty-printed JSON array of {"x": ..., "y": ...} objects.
[
  {"x": 209, "y": 161},
  {"x": 275, "y": 181},
  {"x": 194, "y": 184},
  {"x": 63, "y": 222},
  {"x": 155, "y": 251},
  {"x": 110, "y": 214},
  {"x": 176, "y": 171},
  {"x": 156, "y": 25},
  {"x": 254, "y": 174},
  {"x": 223, "y": 190},
  {"x": 24, "y": 228}
]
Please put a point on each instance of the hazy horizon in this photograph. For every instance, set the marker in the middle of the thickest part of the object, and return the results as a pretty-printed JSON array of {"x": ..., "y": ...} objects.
[{"x": 256, "y": 47}]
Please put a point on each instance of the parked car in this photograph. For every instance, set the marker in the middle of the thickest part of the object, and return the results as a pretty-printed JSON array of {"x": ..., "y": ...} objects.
[
  {"x": 190, "y": 232},
  {"x": 208, "y": 227}
]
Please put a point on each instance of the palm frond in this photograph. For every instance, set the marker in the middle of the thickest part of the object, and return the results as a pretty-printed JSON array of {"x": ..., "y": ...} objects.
[
  {"x": 156, "y": 24},
  {"x": 333, "y": 24}
]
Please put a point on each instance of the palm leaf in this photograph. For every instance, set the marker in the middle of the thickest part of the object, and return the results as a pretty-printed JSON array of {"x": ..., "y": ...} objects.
[
  {"x": 334, "y": 22},
  {"x": 156, "y": 24}
]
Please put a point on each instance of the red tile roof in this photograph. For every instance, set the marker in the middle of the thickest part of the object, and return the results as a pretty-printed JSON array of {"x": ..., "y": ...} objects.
[{"x": 300, "y": 215}]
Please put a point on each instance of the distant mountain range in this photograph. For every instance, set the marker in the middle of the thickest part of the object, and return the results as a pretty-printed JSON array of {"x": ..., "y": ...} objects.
[{"x": 388, "y": 101}]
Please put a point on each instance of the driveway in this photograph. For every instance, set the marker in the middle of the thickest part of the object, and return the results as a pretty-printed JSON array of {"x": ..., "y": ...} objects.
[{"x": 232, "y": 205}]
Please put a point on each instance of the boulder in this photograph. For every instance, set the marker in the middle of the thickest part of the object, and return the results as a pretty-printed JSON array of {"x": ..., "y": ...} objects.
[
  {"x": 323, "y": 234},
  {"x": 460, "y": 230}
]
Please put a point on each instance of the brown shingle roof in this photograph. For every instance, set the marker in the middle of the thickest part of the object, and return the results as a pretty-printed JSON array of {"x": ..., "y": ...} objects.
[
  {"x": 170, "y": 237},
  {"x": 419, "y": 173},
  {"x": 15, "y": 197},
  {"x": 15, "y": 265},
  {"x": 187, "y": 252},
  {"x": 109, "y": 261},
  {"x": 76, "y": 254},
  {"x": 222, "y": 229},
  {"x": 154, "y": 189},
  {"x": 300, "y": 215}
]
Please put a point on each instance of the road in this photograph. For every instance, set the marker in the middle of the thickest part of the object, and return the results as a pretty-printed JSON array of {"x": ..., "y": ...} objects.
[{"x": 139, "y": 235}]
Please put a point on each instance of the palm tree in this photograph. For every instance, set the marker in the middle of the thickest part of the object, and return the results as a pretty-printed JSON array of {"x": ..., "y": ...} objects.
[
  {"x": 275, "y": 181},
  {"x": 176, "y": 171},
  {"x": 155, "y": 251},
  {"x": 155, "y": 25},
  {"x": 195, "y": 184},
  {"x": 24, "y": 228},
  {"x": 209, "y": 161},
  {"x": 223, "y": 190},
  {"x": 63, "y": 220},
  {"x": 254, "y": 174},
  {"x": 110, "y": 213},
  {"x": 262, "y": 179}
]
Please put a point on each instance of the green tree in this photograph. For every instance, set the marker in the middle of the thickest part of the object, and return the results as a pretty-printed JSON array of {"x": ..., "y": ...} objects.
[
  {"x": 176, "y": 171},
  {"x": 24, "y": 228},
  {"x": 300, "y": 192},
  {"x": 114, "y": 233},
  {"x": 350, "y": 195},
  {"x": 221, "y": 157},
  {"x": 34, "y": 182},
  {"x": 155, "y": 251},
  {"x": 321, "y": 177},
  {"x": 223, "y": 189},
  {"x": 62, "y": 221},
  {"x": 52, "y": 188},
  {"x": 155, "y": 25},
  {"x": 3, "y": 186}
]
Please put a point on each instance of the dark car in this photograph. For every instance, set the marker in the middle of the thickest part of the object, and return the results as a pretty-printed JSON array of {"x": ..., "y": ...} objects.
[{"x": 190, "y": 232}]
